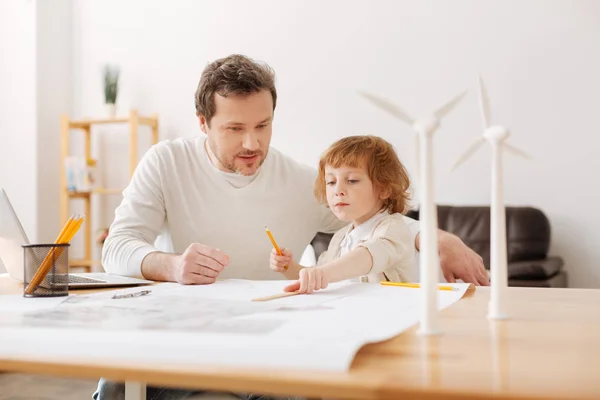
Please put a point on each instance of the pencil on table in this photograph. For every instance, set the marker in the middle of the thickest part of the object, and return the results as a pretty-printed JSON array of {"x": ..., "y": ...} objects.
[
  {"x": 411, "y": 285},
  {"x": 276, "y": 296},
  {"x": 274, "y": 243}
]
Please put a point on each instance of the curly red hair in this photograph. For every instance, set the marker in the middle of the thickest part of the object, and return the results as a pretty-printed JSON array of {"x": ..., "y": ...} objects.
[{"x": 381, "y": 162}]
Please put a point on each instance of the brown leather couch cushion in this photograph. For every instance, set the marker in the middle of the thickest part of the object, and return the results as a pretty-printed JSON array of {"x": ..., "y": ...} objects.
[
  {"x": 557, "y": 281},
  {"x": 527, "y": 230},
  {"x": 535, "y": 269}
]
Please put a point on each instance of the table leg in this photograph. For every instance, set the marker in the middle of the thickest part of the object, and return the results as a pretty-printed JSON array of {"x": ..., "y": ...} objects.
[{"x": 135, "y": 391}]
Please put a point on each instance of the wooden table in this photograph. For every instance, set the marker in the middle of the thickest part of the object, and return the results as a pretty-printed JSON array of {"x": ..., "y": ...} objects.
[{"x": 549, "y": 349}]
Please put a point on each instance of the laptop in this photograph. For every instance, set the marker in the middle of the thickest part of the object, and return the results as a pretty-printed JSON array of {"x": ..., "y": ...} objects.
[{"x": 12, "y": 237}]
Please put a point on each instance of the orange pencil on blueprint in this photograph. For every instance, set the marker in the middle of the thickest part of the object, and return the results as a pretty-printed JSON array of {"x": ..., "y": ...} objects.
[
  {"x": 277, "y": 249},
  {"x": 411, "y": 285}
]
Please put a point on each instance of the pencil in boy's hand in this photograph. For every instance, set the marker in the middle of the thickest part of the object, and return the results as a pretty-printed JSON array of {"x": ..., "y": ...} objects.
[
  {"x": 411, "y": 285},
  {"x": 277, "y": 249}
]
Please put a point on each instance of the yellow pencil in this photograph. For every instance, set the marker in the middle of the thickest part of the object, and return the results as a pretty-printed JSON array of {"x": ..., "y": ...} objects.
[
  {"x": 274, "y": 243},
  {"x": 412, "y": 285},
  {"x": 65, "y": 236}
]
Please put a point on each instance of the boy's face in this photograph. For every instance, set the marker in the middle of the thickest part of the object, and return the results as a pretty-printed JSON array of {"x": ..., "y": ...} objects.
[
  {"x": 350, "y": 194},
  {"x": 240, "y": 131}
]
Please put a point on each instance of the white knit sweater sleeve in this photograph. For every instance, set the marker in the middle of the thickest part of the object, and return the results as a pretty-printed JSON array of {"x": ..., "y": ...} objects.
[{"x": 138, "y": 220}]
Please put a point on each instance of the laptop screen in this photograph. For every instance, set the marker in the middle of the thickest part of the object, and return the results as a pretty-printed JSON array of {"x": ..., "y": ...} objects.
[{"x": 12, "y": 237}]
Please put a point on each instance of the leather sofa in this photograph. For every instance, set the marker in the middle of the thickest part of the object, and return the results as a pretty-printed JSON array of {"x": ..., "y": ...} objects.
[{"x": 528, "y": 240}]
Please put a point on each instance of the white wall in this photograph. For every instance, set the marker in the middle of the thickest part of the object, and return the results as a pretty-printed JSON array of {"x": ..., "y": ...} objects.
[
  {"x": 35, "y": 76},
  {"x": 54, "y": 77},
  {"x": 18, "y": 140},
  {"x": 540, "y": 60},
  {"x": 35, "y": 64}
]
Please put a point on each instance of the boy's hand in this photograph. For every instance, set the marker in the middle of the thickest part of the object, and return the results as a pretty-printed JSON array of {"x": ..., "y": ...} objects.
[
  {"x": 311, "y": 280},
  {"x": 279, "y": 263}
]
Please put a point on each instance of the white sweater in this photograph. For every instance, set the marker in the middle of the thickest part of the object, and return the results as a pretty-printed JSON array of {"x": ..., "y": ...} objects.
[{"x": 177, "y": 197}]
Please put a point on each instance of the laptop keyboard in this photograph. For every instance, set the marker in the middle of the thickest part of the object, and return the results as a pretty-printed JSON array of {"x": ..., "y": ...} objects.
[{"x": 76, "y": 279}]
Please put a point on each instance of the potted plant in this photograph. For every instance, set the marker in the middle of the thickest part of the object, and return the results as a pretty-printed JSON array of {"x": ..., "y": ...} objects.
[{"x": 111, "y": 88}]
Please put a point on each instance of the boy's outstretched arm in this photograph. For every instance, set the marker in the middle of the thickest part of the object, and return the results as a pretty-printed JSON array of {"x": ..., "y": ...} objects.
[{"x": 357, "y": 262}]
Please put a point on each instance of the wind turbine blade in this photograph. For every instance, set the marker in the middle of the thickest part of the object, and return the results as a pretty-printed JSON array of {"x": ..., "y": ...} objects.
[
  {"x": 449, "y": 106},
  {"x": 484, "y": 104},
  {"x": 516, "y": 151},
  {"x": 389, "y": 107},
  {"x": 468, "y": 152}
]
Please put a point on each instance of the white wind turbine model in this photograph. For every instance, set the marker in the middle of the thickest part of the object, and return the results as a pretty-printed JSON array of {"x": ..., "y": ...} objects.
[
  {"x": 429, "y": 263},
  {"x": 497, "y": 136}
]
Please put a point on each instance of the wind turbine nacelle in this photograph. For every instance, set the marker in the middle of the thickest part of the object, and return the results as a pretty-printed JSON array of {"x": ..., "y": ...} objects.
[
  {"x": 496, "y": 133},
  {"x": 426, "y": 125}
]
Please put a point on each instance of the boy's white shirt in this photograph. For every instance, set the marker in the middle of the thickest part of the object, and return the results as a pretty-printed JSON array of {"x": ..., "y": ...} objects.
[
  {"x": 388, "y": 239},
  {"x": 353, "y": 237},
  {"x": 176, "y": 196},
  {"x": 359, "y": 234}
]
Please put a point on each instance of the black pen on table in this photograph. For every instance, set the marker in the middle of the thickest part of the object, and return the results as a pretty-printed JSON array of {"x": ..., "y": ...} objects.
[{"x": 130, "y": 295}]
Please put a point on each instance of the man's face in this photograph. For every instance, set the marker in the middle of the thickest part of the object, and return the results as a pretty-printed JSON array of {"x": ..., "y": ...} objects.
[{"x": 240, "y": 131}]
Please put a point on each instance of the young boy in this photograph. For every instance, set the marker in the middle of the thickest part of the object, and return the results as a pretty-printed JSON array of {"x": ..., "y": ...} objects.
[{"x": 363, "y": 182}]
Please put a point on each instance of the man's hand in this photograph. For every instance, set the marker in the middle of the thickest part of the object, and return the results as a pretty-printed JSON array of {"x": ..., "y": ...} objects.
[
  {"x": 458, "y": 261},
  {"x": 199, "y": 264},
  {"x": 311, "y": 280}
]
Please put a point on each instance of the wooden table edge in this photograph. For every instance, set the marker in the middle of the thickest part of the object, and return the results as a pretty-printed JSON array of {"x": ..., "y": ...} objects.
[{"x": 323, "y": 385}]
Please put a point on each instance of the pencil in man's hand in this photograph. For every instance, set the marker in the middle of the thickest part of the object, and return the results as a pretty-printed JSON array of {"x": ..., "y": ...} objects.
[{"x": 277, "y": 249}]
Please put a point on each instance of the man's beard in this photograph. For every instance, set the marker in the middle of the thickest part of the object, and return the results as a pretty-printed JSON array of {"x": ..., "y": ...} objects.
[{"x": 230, "y": 166}]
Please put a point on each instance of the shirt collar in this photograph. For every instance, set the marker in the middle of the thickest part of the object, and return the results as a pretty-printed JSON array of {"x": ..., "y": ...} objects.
[{"x": 362, "y": 231}]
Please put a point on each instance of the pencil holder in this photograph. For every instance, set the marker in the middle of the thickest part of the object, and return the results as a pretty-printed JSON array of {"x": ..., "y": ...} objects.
[{"x": 46, "y": 270}]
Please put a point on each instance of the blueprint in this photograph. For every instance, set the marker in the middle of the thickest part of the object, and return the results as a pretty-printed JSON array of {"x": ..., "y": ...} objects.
[{"x": 216, "y": 324}]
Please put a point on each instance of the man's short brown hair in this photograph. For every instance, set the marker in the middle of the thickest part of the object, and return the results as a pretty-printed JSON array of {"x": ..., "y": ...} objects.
[
  {"x": 381, "y": 162},
  {"x": 233, "y": 75}
]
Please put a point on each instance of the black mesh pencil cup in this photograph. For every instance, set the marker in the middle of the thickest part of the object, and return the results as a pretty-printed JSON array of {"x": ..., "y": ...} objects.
[{"x": 46, "y": 270}]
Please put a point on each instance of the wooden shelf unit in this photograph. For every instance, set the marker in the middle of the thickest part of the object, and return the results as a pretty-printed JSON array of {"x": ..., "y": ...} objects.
[
  {"x": 135, "y": 121},
  {"x": 83, "y": 195}
]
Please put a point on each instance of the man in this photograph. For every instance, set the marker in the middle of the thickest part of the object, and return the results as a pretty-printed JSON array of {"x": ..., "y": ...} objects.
[{"x": 205, "y": 201}]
